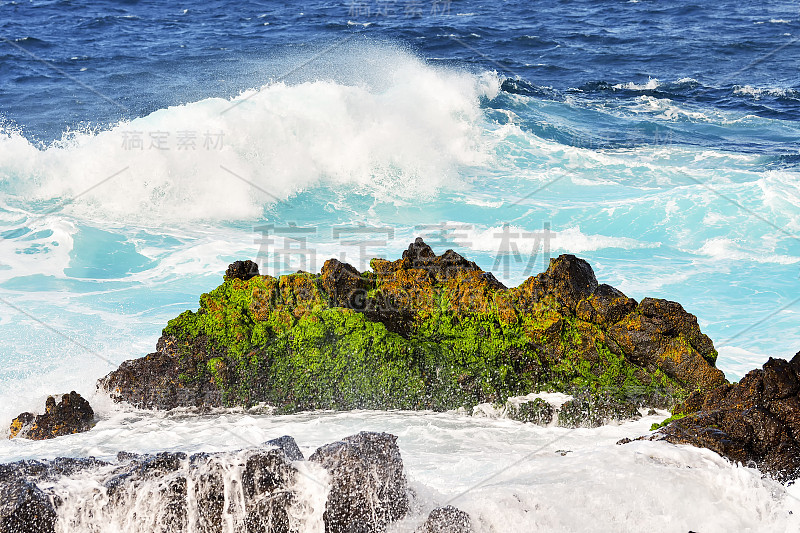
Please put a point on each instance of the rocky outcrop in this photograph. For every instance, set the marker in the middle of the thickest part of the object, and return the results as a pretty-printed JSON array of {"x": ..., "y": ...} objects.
[
  {"x": 72, "y": 414},
  {"x": 425, "y": 331},
  {"x": 568, "y": 280},
  {"x": 661, "y": 334},
  {"x": 368, "y": 486},
  {"x": 253, "y": 490},
  {"x": 242, "y": 270},
  {"x": 446, "y": 519},
  {"x": 753, "y": 422},
  {"x": 156, "y": 381}
]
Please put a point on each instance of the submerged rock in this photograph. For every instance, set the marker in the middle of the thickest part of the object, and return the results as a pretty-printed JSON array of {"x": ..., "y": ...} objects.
[
  {"x": 593, "y": 411},
  {"x": 425, "y": 331},
  {"x": 536, "y": 411},
  {"x": 368, "y": 486},
  {"x": 72, "y": 414},
  {"x": 446, "y": 520},
  {"x": 754, "y": 422}
]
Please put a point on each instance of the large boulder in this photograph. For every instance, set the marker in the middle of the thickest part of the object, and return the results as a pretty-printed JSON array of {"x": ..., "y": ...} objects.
[
  {"x": 424, "y": 331},
  {"x": 755, "y": 421},
  {"x": 72, "y": 414},
  {"x": 368, "y": 486}
]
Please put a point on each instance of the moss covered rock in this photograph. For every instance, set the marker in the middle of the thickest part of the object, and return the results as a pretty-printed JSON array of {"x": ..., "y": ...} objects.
[
  {"x": 536, "y": 411},
  {"x": 425, "y": 331}
]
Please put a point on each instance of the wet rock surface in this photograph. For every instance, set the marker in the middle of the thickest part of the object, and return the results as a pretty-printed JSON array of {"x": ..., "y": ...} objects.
[
  {"x": 661, "y": 334},
  {"x": 155, "y": 381},
  {"x": 446, "y": 520},
  {"x": 368, "y": 486},
  {"x": 72, "y": 414},
  {"x": 753, "y": 422},
  {"x": 24, "y": 508},
  {"x": 254, "y": 490},
  {"x": 593, "y": 411},
  {"x": 536, "y": 411}
]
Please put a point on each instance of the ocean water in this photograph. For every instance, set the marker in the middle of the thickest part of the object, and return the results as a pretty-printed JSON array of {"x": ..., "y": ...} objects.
[{"x": 144, "y": 146}]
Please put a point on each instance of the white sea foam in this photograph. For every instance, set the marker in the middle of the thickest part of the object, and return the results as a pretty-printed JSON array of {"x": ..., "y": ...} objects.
[
  {"x": 652, "y": 83},
  {"x": 529, "y": 240},
  {"x": 509, "y": 476},
  {"x": 758, "y": 92},
  {"x": 666, "y": 109},
  {"x": 724, "y": 249},
  {"x": 403, "y": 131}
]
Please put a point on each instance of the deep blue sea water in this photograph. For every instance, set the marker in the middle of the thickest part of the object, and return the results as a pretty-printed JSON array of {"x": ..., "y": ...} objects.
[{"x": 144, "y": 145}]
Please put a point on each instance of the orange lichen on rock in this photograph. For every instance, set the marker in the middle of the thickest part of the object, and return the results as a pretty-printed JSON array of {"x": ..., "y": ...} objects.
[
  {"x": 72, "y": 414},
  {"x": 301, "y": 293},
  {"x": 435, "y": 331},
  {"x": 754, "y": 421},
  {"x": 662, "y": 334}
]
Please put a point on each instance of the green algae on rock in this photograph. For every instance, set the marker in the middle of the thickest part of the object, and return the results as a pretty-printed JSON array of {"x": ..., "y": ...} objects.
[{"x": 421, "y": 332}]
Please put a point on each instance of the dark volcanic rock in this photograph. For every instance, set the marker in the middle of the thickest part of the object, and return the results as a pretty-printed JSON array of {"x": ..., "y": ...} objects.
[
  {"x": 568, "y": 278},
  {"x": 446, "y": 520},
  {"x": 606, "y": 306},
  {"x": 24, "y": 508},
  {"x": 243, "y": 270},
  {"x": 254, "y": 490},
  {"x": 660, "y": 334},
  {"x": 288, "y": 446},
  {"x": 344, "y": 284},
  {"x": 155, "y": 381},
  {"x": 755, "y": 421},
  {"x": 446, "y": 266},
  {"x": 368, "y": 487},
  {"x": 72, "y": 414}
]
